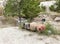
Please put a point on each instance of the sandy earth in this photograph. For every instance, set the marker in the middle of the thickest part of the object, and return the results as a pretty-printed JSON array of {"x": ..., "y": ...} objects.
[{"x": 12, "y": 35}]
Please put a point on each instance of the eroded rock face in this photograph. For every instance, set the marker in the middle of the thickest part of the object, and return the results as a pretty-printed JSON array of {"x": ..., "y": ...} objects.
[
  {"x": 44, "y": 16},
  {"x": 57, "y": 19},
  {"x": 1, "y": 10},
  {"x": 8, "y": 21},
  {"x": 2, "y": 17}
]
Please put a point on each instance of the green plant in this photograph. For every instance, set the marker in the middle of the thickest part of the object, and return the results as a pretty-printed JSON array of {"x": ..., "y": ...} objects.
[
  {"x": 49, "y": 29},
  {"x": 30, "y": 8},
  {"x": 22, "y": 8},
  {"x": 52, "y": 8},
  {"x": 56, "y": 6},
  {"x": 43, "y": 8}
]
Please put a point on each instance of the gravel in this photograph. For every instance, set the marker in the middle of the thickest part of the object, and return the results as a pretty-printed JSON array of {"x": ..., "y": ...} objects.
[{"x": 14, "y": 35}]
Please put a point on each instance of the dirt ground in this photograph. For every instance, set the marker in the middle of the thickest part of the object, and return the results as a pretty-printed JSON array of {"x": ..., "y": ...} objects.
[{"x": 14, "y": 35}]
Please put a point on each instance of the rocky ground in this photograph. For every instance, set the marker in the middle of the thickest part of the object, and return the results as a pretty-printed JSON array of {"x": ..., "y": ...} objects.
[{"x": 14, "y": 35}]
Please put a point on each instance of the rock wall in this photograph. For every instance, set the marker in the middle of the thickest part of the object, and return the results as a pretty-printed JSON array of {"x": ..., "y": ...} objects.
[{"x": 10, "y": 21}]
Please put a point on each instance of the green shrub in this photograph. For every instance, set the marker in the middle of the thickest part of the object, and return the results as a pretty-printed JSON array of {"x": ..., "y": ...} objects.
[
  {"x": 43, "y": 8},
  {"x": 52, "y": 8},
  {"x": 49, "y": 29}
]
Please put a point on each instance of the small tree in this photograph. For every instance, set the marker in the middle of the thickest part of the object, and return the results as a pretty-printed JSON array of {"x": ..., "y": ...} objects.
[
  {"x": 30, "y": 8},
  {"x": 11, "y": 8},
  {"x": 23, "y": 8}
]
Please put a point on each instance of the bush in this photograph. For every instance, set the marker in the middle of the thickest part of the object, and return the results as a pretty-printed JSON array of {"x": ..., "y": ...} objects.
[
  {"x": 52, "y": 8},
  {"x": 48, "y": 30},
  {"x": 43, "y": 8}
]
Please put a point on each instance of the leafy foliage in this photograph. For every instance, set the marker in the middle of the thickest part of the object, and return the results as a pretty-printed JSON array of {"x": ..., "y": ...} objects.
[
  {"x": 56, "y": 6},
  {"x": 43, "y": 8},
  {"x": 52, "y": 8},
  {"x": 30, "y": 8},
  {"x": 11, "y": 8},
  {"x": 24, "y": 8},
  {"x": 49, "y": 29}
]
